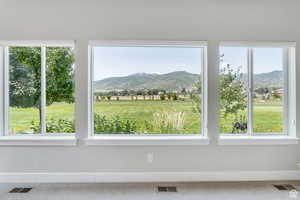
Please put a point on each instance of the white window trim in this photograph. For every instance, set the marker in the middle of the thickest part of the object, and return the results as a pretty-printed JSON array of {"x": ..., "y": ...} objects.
[
  {"x": 256, "y": 140},
  {"x": 289, "y": 134},
  {"x": 142, "y": 139},
  {"x": 38, "y": 43},
  {"x": 38, "y": 140},
  {"x": 29, "y": 139},
  {"x": 148, "y": 140}
]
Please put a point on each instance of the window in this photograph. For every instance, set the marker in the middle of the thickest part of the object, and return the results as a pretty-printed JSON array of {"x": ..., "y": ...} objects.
[
  {"x": 39, "y": 88},
  {"x": 148, "y": 88},
  {"x": 256, "y": 89}
]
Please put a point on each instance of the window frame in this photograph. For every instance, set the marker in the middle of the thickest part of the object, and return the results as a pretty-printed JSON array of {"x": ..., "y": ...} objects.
[
  {"x": 148, "y": 139},
  {"x": 65, "y": 138},
  {"x": 289, "y": 100}
]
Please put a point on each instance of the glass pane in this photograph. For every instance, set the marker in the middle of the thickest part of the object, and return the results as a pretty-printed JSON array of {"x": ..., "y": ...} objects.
[
  {"x": 268, "y": 90},
  {"x": 147, "y": 90},
  {"x": 24, "y": 90},
  {"x": 60, "y": 90},
  {"x": 233, "y": 81}
]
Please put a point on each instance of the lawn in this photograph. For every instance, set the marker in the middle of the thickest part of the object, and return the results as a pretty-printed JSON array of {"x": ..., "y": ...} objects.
[{"x": 267, "y": 116}]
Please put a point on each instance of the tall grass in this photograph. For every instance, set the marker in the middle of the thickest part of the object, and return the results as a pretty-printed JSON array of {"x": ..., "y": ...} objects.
[{"x": 168, "y": 122}]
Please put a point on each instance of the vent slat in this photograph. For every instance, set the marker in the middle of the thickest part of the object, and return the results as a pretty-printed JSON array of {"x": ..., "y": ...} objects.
[
  {"x": 167, "y": 189},
  {"x": 20, "y": 190},
  {"x": 284, "y": 187}
]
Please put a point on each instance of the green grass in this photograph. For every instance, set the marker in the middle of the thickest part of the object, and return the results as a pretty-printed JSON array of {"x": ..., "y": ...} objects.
[
  {"x": 142, "y": 111},
  {"x": 267, "y": 116}
]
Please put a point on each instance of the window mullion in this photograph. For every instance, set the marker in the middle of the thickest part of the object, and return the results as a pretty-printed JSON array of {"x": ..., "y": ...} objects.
[
  {"x": 250, "y": 90},
  {"x": 285, "y": 65},
  {"x": 6, "y": 92},
  {"x": 43, "y": 90},
  {"x": 2, "y": 91},
  {"x": 204, "y": 91},
  {"x": 91, "y": 77}
]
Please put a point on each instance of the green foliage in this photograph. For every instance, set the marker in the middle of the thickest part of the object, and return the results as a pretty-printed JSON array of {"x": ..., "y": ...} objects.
[
  {"x": 60, "y": 75},
  {"x": 162, "y": 97},
  {"x": 174, "y": 96},
  {"x": 232, "y": 91},
  {"x": 103, "y": 98},
  {"x": 169, "y": 96},
  {"x": 195, "y": 96},
  {"x": 25, "y": 76},
  {"x": 240, "y": 124},
  {"x": 55, "y": 126},
  {"x": 196, "y": 102},
  {"x": 113, "y": 125}
]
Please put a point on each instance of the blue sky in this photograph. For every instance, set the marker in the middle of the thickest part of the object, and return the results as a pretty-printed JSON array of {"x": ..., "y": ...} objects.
[
  {"x": 265, "y": 59},
  {"x": 123, "y": 61}
]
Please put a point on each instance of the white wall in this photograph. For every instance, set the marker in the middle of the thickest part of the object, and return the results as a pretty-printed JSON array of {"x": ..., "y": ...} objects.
[{"x": 211, "y": 20}]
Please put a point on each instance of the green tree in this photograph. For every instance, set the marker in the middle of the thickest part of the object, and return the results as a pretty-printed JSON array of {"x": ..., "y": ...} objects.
[
  {"x": 60, "y": 75},
  {"x": 232, "y": 91},
  {"x": 232, "y": 95},
  {"x": 195, "y": 95},
  {"x": 25, "y": 76}
]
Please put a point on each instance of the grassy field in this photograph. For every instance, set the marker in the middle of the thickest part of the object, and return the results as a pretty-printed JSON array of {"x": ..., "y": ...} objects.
[{"x": 267, "y": 116}]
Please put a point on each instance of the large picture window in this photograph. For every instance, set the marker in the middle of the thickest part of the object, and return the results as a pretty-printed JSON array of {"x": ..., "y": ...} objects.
[
  {"x": 39, "y": 88},
  {"x": 254, "y": 89},
  {"x": 147, "y": 88}
]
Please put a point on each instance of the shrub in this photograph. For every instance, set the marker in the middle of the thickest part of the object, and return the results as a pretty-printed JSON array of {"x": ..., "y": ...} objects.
[
  {"x": 174, "y": 96},
  {"x": 55, "y": 126},
  {"x": 240, "y": 124},
  {"x": 169, "y": 95},
  {"x": 162, "y": 97},
  {"x": 102, "y": 124},
  {"x": 196, "y": 102},
  {"x": 103, "y": 98}
]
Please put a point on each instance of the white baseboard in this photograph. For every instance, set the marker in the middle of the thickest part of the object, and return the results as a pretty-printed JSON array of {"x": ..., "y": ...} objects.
[{"x": 126, "y": 177}]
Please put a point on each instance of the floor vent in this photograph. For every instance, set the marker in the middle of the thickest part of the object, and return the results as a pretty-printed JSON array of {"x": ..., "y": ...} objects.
[
  {"x": 167, "y": 189},
  {"x": 284, "y": 187},
  {"x": 20, "y": 190}
]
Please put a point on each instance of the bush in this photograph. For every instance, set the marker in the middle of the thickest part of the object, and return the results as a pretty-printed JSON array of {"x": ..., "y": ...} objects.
[
  {"x": 169, "y": 95},
  {"x": 103, "y": 98},
  {"x": 102, "y": 124},
  {"x": 196, "y": 102},
  {"x": 55, "y": 126},
  {"x": 174, "y": 96},
  {"x": 163, "y": 122},
  {"x": 162, "y": 97}
]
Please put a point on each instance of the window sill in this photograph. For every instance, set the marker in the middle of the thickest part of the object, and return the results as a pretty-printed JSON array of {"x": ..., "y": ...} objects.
[
  {"x": 257, "y": 140},
  {"x": 147, "y": 140},
  {"x": 38, "y": 141}
]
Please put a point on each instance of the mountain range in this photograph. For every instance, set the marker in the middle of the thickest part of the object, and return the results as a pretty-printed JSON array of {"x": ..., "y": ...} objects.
[{"x": 174, "y": 81}]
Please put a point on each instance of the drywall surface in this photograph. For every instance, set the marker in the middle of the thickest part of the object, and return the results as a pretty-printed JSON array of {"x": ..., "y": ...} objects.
[{"x": 207, "y": 20}]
